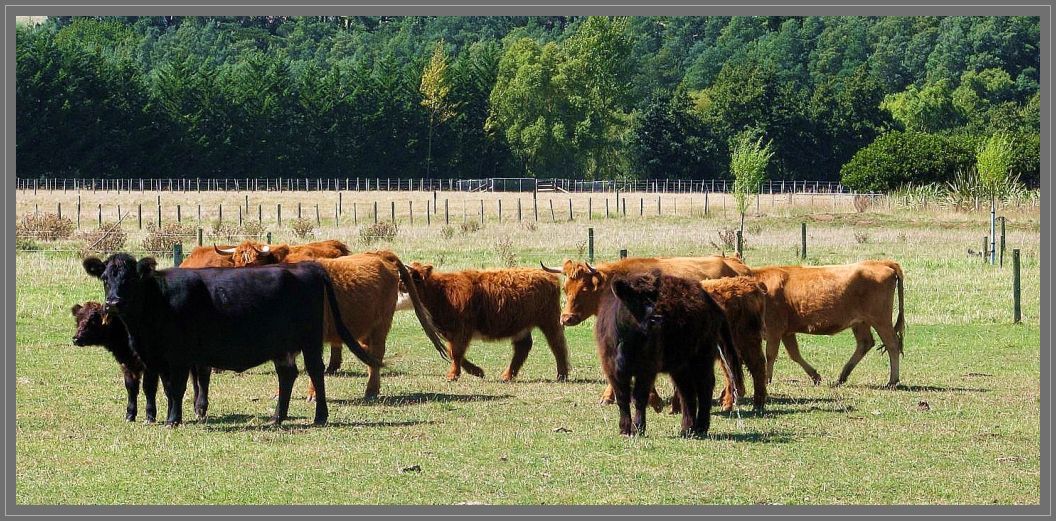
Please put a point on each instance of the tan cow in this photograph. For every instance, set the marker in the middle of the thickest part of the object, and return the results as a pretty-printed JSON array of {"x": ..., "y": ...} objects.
[
  {"x": 824, "y": 300},
  {"x": 250, "y": 253},
  {"x": 366, "y": 286},
  {"x": 587, "y": 286},
  {"x": 207, "y": 257}
]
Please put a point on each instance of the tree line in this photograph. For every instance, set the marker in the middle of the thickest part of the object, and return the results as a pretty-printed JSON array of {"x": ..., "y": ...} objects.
[{"x": 471, "y": 97}]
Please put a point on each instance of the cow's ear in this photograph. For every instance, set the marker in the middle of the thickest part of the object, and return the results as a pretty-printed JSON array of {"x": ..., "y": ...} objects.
[
  {"x": 93, "y": 266},
  {"x": 146, "y": 266},
  {"x": 427, "y": 271},
  {"x": 75, "y": 309},
  {"x": 280, "y": 252},
  {"x": 567, "y": 266},
  {"x": 621, "y": 289}
]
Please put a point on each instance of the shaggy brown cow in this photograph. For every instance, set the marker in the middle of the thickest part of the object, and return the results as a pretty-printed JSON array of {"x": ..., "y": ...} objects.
[
  {"x": 207, "y": 257},
  {"x": 824, "y": 300},
  {"x": 493, "y": 305},
  {"x": 252, "y": 254},
  {"x": 366, "y": 286},
  {"x": 586, "y": 287},
  {"x": 659, "y": 323},
  {"x": 743, "y": 299}
]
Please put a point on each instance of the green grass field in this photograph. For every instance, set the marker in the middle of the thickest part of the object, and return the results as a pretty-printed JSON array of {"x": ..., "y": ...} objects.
[{"x": 535, "y": 441}]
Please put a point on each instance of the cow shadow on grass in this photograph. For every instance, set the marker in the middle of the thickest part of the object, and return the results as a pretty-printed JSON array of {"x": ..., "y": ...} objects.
[
  {"x": 419, "y": 398},
  {"x": 356, "y": 373},
  {"x": 923, "y": 388},
  {"x": 581, "y": 380},
  {"x": 294, "y": 424},
  {"x": 766, "y": 436}
]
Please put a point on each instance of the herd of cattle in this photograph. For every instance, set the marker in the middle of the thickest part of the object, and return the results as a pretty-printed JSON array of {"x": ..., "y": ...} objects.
[{"x": 237, "y": 307}]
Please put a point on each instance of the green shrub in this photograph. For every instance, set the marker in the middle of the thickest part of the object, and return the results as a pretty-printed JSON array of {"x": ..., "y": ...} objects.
[
  {"x": 44, "y": 227},
  {"x": 898, "y": 158},
  {"x": 382, "y": 230},
  {"x": 108, "y": 238},
  {"x": 302, "y": 228},
  {"x": 160, "y": 240}
]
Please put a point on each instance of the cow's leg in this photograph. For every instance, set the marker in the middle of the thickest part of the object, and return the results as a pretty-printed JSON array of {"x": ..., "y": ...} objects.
[
  {"x": 793, "y": 352},
  {"x": 335, "y": 358},
  {"x": 555, "y": 338},
  {"x": 685, "y": 389},
  {"x": 705, "y": 387},
  {"x": 521, "y": 346},
  {"x": 376, "y": 347},
  {"x": 772, "y": 345},
  {"x": 150, "y": 394},
  {"x": 175, "y": 387},
  {"x": 132, "y": 389},
  {"x": 608, "y": 396},
  {"x": 753, "y": 358},
  {"x": 864, "y": 338},
  {"x": 456, "y": 349},
  {"x": 894, "y": 350},
  {"x": 621, "y": 390},
  {"x": 643, "y": 385},
  {"x": 726, "y": 400},
  {"x": 313, "y": 365},
  {"x": 286, "y": 370},
  {"x": 200, "y": 376}
]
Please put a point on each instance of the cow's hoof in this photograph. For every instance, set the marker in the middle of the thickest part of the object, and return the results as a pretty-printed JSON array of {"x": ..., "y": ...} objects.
[
  {"x": 606, "y": 401},
  {"x": 562, "y": 377},
  {"x": 172, "y": 425},
  {"x": 816, "y": 378},
  {"x": 149, "y": 420},
  {"x": 452, "y": 377},
  {"x": 310, "y": 398},
  {"x": 506, "y": 377},
  {"x": 892, "y": 385},
  {"x": 130, "y": 418}
]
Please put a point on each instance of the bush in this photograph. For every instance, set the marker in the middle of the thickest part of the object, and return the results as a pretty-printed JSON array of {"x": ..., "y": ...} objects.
[
  {"x": 23, "y": 243},
  {"x": 108, "y": 238},
  {"x": 898, "y": 158},
  {"x": 44, "y": 227},
  {"x": 384, "y": 230},
  {"x": 506, "y": 252},
  {"x": 469, "y": 227},
  {"x": 302, "y": 228},
  {"x": 160, "y": 240},
  {"x": 447, "y": 232}
]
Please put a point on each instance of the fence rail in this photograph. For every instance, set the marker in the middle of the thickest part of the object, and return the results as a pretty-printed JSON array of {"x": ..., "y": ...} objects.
[{"x": 315, "y": 184}]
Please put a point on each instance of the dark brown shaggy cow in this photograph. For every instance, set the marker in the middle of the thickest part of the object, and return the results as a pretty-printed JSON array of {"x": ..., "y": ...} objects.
[
  {"x": 207, "y": 257},
  {"x": 659, "y": 323},
  {"x": 824, "y": 300},
  {"x": 366, "y": 286},
  {"x": 586, "y": 287},
  {"x": 251, "y": 253},
  {"x": 494, "y": 305},
  {"x": 254, "y": 254}
]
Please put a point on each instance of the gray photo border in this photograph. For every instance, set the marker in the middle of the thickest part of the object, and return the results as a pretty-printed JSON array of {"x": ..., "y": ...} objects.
[{"x": 479, "y": 7}]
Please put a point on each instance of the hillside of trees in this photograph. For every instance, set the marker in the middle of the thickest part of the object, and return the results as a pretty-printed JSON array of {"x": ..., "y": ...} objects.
[{"x": 470, "y": 97}]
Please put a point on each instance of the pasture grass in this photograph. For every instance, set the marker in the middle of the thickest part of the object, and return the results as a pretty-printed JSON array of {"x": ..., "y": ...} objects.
[{"x": 535, "y": 441}]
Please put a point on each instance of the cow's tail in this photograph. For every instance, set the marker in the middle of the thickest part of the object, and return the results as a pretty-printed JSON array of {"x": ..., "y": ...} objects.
[
  {"x": 339, "y": 325},
  {"x": 900, "y": 322},
  {"x": 424, "y": 318},
  {"x": 729, "y": 354}
]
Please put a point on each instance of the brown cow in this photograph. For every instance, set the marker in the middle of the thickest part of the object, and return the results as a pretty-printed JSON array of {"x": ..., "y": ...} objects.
[
  {"x": 207, "y": 257},
  {"x": 743, "y": 300},
  {"x": 824, "y": 300},
  {"x": 250, "y": 253},
  {"x": 253, "y": 254},
  {"x": 494, "y": 305},
  {"x": 586, "y": 287},
  {"x": 366, "y": 285}
]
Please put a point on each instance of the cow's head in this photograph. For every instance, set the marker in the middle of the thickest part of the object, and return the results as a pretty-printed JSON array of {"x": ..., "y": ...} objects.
[
  {"x": 93, "y": 324},
  {"x": 420, "y": 273},
  {"x": 121, "y": 276},
  {"x": 250, "y": 253},
  {"x": 583, "y": 289},
  {"x": 639, "y": 294}
]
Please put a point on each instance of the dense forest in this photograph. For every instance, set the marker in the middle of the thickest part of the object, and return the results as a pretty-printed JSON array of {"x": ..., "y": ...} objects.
[{"x": 857, "y": 98}]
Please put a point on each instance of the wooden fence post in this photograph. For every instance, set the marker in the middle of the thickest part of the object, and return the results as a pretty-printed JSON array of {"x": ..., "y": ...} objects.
[
  {"x": 278, "y": 214},
  {"x": 740, "y": 244},
  {"x": 623, "y": 254},
  {"x": 803, "y": 243},
  {"x": 199, "y": 236},
  {"x": 590, "y": 245},
  {"x": 100, "y": 215},
  {"x": 1002, "y": 262},
  {"x": 393, "y": 212},
  {"x": 553, "y": 216},
  {"x": 375, "y": 212},
  {"x": 1017, "y": 314},
  {"x": 177, "y": 254}
]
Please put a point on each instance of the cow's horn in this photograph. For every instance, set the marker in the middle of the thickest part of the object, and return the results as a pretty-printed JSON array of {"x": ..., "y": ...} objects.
[
  {"x": 591, "y": 268},
  {"x": 549, "y": 270},
  {"x": 228, "y": 251}
]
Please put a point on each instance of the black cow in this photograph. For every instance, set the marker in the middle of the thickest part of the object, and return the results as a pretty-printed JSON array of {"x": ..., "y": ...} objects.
[
  {"x": 659, "y": 323},
  {"x": 95, "y": 327},
  {"x": 225, "y": 318}
]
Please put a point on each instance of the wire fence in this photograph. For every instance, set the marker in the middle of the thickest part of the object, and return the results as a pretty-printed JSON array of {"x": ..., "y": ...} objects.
[{"x": 319, "y": 184}]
